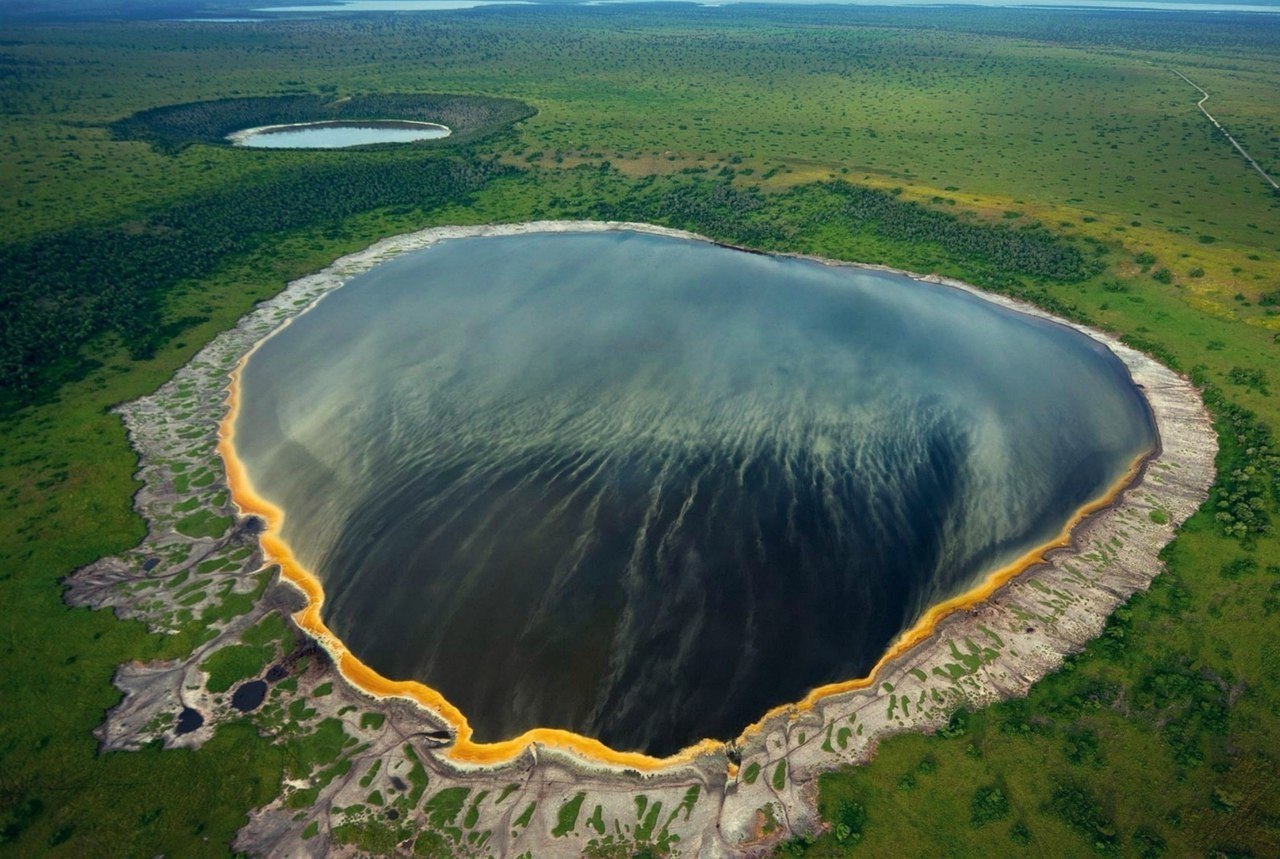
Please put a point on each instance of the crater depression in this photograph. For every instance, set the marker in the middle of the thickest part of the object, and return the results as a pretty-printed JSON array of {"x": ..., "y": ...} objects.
[{"x": 646, "y": 488}]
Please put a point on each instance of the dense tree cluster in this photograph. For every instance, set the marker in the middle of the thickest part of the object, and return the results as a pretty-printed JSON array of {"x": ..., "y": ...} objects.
[
  {"x": 175, "y": 126},
  {"x": 713, "y": 208},
  {"x": 1032, "y": 251},
  {"x": 748, "y": 217},
  {"x": 1248, "y": 487},
  {"x": 60, "y": 290}
]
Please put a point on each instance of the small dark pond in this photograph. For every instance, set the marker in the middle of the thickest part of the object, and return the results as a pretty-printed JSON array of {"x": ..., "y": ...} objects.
[
  {"x": 248, "y": 696},
  {"x": 188, "y": 720}
]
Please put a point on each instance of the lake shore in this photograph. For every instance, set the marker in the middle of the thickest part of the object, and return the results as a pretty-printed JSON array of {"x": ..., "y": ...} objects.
[{"x": 989, "y": 644}]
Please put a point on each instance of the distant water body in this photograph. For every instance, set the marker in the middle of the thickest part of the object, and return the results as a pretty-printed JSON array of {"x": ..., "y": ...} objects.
[
  {"x": 349, "y": 6},
  {"x": 337, "y": 134},
  {"x": 394, "y": 6},
  {"x": 647, "y": 488}
]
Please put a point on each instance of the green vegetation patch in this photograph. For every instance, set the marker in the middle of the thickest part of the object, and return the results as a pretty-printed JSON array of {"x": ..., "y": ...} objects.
[
  {"x": 203, "y": 523},
  {"x": 62, "y": 289},
  {"x": 567, "y": 816},
  {"x": 443, "y": 808},
  {"x": 780, "y": 775},
  {"x": 526, "y": 815},
  {"x": 236, "y": 662},
  {"x": 988, "y": 804},
  {"x": 417, "y": 776}
]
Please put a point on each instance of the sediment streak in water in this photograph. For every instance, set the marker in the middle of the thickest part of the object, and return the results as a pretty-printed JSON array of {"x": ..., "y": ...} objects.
[{"x": 564, "y": 486}]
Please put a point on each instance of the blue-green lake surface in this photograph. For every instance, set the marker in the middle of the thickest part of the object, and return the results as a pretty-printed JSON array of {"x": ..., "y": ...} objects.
[
  {"x": 339, "y": 134},
  {"x": 646, "y": 488}
]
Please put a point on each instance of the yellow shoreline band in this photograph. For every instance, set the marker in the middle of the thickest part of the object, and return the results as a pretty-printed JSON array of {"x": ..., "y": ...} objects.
[{"x": 466, "y": 751}]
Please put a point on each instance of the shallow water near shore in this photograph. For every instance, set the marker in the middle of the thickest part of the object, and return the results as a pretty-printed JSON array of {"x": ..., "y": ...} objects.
[{"x": 646, "y": 488}]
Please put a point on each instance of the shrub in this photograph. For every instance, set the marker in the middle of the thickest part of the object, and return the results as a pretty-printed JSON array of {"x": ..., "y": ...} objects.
[
  {"x": 848, "y": 821},
  {"x": 988, "y": 804}
]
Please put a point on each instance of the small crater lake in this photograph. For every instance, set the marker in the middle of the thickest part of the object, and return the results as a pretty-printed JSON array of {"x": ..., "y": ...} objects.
[
  {"x": 646, "y": 488},
  {"x": 337, "y": 134}
]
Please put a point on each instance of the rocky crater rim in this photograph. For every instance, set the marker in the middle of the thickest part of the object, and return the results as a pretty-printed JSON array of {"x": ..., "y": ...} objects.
[{"x": 173, "y": 127}]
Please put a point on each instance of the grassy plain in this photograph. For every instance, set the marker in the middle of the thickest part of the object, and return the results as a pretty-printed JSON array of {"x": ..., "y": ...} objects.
[{"x": 1160, "y": 740}]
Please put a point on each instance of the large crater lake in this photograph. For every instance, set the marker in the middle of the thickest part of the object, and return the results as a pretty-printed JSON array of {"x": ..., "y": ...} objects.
[{"x": 647, "y": 488}]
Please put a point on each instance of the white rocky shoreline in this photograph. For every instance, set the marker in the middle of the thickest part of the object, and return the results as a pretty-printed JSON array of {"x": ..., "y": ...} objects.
[{"x": 705, "y": 806}]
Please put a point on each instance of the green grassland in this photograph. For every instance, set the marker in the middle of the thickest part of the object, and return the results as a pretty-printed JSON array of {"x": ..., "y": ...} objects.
[{"x": 1160, "y": 740}]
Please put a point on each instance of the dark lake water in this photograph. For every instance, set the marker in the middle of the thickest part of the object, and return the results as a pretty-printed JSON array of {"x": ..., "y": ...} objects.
[
  {"x": 338, "y": 134},
  {"x": 646, "y": 488}
]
